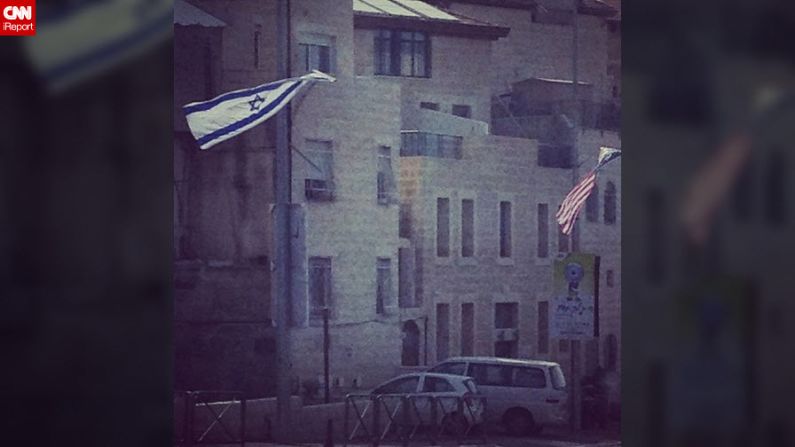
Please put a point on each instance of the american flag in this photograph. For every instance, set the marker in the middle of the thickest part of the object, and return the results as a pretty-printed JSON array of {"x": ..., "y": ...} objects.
[{"x": 570, "y": 208}]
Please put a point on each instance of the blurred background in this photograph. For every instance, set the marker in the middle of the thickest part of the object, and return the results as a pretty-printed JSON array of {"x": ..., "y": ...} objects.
[
  {"x": 709, "y": 213},
  {"x": 85, "y": 227}
]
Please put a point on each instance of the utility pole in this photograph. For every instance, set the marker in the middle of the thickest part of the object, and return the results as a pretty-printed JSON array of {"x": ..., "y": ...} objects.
[
  {"x": 281, "y": 233},
  {"x": 574, "y": 345}
]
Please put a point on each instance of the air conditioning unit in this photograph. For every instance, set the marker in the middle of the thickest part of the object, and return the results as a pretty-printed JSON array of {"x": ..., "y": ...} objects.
[
  {"x": 318, "y": 190},
  {"x": 509, "y": 334}
]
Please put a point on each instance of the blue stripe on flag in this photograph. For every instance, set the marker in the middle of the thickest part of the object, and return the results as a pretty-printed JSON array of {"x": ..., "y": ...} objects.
[
  {"x": 248, "y": 120},
  {"x": 95, "y": 56},
  {"x": 207, "y": 105}
]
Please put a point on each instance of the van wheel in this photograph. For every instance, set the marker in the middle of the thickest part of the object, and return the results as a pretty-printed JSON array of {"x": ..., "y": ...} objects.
[{"x": 519, "y": 422}]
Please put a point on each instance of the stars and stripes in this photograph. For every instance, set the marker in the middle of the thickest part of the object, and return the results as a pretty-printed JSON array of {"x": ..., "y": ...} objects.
[
  {"x": 570, "y": 208},
  {"x": 575, "y": 199},
  {"x": 231, "y": 114}
]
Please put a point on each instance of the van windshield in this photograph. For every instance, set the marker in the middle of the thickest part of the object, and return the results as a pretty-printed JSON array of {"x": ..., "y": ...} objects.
[{"x": 558, "y": 381}]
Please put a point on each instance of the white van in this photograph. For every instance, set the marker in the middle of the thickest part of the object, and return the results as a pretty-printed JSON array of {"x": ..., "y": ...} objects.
[{"x": 523, "y": 395}]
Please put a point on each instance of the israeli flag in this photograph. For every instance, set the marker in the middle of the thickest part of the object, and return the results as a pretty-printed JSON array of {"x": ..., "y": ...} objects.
[{"x": 233, "y": 113}]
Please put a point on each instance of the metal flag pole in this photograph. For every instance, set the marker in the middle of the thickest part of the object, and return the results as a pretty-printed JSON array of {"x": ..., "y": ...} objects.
[
  {"x": 281, "y": 233},
  {"x": 574, "y": 345}
]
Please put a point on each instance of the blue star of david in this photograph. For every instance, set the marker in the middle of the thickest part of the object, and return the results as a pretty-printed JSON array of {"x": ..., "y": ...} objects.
[{"x": 255, "y": 103}]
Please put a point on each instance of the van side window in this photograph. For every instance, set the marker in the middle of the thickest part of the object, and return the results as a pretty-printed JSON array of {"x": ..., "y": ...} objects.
[
  {"x": 436, "y": 385},
  {"x": 491, "y": 375},
  {"x": 529, "y": 378},
  {"x": 450, "y": 368}
]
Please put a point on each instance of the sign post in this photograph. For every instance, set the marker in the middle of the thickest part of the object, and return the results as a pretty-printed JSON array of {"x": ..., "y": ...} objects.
[{"x": 575, "y": 314}]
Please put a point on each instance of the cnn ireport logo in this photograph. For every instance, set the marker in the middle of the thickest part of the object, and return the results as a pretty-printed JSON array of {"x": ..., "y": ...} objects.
[{"x": 18, "y": 18}]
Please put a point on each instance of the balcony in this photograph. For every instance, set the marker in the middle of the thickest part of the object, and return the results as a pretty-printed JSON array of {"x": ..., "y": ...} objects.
[
  {"x": 425, "y": 144},
  {"x": 534, "y": 119}
]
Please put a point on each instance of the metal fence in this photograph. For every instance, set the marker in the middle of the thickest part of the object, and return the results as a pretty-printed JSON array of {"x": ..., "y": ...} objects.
[
  {"x": 204, "y": 417},
  {"x": 414, "y": 418},
  {"x": 426, "y": 144}
]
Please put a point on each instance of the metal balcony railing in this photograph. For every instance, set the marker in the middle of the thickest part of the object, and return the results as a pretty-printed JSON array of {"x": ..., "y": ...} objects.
[
  {"x": 426, "y": 144},
  {"x": 534, "y": 117}
]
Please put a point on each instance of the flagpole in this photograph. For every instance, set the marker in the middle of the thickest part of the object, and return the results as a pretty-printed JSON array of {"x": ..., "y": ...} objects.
[
  {"x": 281, "y": 234},
  {"x": 574, "y": 345}
]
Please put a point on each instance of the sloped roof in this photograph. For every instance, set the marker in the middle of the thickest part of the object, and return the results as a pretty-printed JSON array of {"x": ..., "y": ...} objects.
[
  {"x": 422, "y": 16},
  {"x": 186, "y": 14}
]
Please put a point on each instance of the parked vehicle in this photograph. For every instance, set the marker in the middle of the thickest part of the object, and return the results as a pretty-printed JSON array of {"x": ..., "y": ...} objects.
[
  {"x": 522, "y": 395},
  {"x": 457, "y": 400}
]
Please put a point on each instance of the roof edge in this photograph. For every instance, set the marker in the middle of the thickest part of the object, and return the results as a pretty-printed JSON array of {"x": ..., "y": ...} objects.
[{"x": 372, "y": 21}]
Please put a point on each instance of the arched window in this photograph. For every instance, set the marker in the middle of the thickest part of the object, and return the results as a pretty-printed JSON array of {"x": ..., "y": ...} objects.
[
  {"x": 410, "y": 354},
  {"x": 592, "y": 205},
  {"x": 610, "y": 203}
]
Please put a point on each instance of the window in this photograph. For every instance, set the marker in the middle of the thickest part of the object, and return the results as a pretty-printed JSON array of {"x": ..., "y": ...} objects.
[
  {"x": 506, "y": 315},
  {"x": 592, "y": 205},
  {"x": 467, "y": 328},
  {"x": 462, "y": 110},
  {"x": 429, "y": 106},
  {"x": 558, "y": 380},
  {"x": 319, "y": 285},
  {"x": 543, "y": 327},
  {"x": 404, "y": 280},
  {"x": 505, "y": 229},
  {"x": 563, "y": 241},
  {"x": 404, "y": 225},
  {"x": 457, "y": 368},
  {"x": 442, "y": 227},
  {"x": 609, "y": 278},
  {"x": 442, "y": 331},
  {"x": 405, "y": 385},
  {"x": 529, "y": 378},
  {"x": 575, "y": 238},
  {"x": 491, "y": 375},
  {"x": 384, "y": 288},
  {"x": 319, "y": 183},
  {"x": 402, "y": 53},
  {"x": 610, "y": 203},
  {"x": 611, "y": 352},
  {"x": 257, "y": 35},
  {"x": 467, "y": 228},
  {"x": 316, "y": 52},
  {"x": 436, "y": 385},
  {"x": 386, "y": 177},
  {"x": 543, "y": 230}
]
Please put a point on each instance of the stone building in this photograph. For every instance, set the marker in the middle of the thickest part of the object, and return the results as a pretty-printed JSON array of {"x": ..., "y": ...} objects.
[{"x": 408, "y": 121}]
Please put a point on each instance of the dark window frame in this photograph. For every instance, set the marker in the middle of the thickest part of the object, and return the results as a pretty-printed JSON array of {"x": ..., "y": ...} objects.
[{"x": 388, "y": 46}]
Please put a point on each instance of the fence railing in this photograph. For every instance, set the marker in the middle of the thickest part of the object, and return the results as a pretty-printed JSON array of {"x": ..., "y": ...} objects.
[
  {"x": 414, "y": 418},
  {"x": 426, "y": 144},
  {"x": 217, "y": 417}
]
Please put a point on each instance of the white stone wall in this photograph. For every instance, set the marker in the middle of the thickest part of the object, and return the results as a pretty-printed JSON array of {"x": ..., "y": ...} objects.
[{"x": 498, "y": 169}]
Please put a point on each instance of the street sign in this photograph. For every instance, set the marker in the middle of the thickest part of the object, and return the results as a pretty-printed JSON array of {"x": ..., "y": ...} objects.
[{"x": 574, "y": 306}]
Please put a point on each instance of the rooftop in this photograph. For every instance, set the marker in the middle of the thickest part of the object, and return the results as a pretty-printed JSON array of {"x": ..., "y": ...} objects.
[{"x": 421, "y": 16}]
